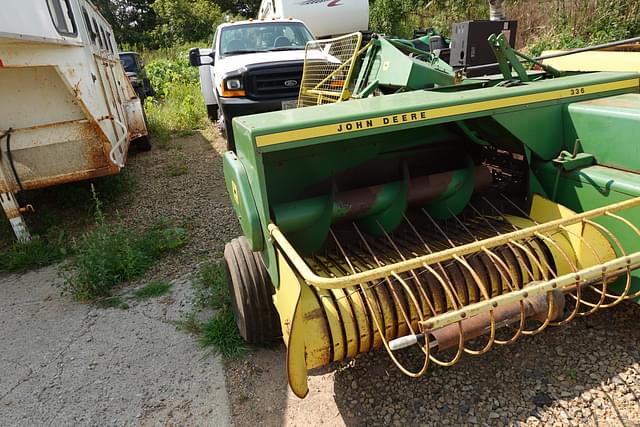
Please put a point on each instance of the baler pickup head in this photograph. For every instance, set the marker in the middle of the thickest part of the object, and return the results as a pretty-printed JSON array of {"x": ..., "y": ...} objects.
[{"x": 455, "y": 216}]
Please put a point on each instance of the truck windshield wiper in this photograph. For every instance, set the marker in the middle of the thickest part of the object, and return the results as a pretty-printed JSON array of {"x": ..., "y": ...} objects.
[
  {"x": 277, "y": 49},
  {"x": 241, "y": 51}
]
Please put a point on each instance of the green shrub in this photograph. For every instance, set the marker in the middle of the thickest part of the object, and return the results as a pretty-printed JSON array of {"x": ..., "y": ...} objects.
[
  {"x": 178, "y": 107},
  {"x": 222, "y": 333},
  {"x": 112, "y": 254}
]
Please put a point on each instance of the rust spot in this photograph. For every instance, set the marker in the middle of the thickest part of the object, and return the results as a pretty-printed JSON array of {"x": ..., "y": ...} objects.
[{"x": 315, "y": 314}]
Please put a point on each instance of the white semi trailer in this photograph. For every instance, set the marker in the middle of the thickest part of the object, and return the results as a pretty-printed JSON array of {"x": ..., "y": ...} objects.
[
  {"x": 325, "y": 18},
  {"x": 67, "y": 109}
]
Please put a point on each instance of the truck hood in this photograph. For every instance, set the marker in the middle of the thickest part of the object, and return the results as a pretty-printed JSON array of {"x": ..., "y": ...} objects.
[{"x": 234, "y": 63}]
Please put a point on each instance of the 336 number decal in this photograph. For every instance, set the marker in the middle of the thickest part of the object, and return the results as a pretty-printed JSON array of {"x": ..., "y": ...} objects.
[{"x": 577, "y": 91}]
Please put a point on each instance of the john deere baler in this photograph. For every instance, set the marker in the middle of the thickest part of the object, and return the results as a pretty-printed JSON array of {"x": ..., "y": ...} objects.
[{"x": 436, "y": 215}]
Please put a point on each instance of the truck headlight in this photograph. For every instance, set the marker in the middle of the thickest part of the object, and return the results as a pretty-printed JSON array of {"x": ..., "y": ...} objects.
[{"x": 232, "y": 87}]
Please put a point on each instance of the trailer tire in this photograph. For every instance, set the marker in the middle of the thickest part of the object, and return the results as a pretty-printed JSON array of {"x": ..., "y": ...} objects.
[
  {"x": 251, "y": 293},
  {"x": 144, "y": 142}
]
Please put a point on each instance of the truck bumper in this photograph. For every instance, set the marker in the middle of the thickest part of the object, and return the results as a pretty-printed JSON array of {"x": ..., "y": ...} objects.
[{"x": 236, "y": 107}]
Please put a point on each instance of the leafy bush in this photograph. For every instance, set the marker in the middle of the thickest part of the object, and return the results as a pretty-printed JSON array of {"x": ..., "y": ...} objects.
[{"x": 178, "y": 107}]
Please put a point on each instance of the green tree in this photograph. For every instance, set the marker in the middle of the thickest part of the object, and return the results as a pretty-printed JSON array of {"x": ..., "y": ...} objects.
[
  {"x": 132, "y": 20},
  {"x": 247, "y": 8},
  {"x": 182, "y": 21},
  {"x": 390, "y": 16}
]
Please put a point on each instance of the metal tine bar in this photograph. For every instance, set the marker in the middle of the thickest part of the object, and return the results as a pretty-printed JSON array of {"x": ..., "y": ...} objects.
[
  {"x": 617, "y": 299},
  {"x": 450, "y": 243},
  {"x": 447, "y": 289},
  {"x": 447, "y": 285},
  {"x": 577, "y": 296},
  {"x": 384, "y": 249},
  {"x": 486, "y": 251},
  {"x": 546, "y": 269},
  {"x": 407, "y": 319},
  {"x": 483, "y": 290},
  {"x": 632, "y": 227},
  {"x": 491, "y": 255},
  {"x": 511, "y": 241},
  {"x": 426, "y": 348},
  {"x": 548, "y": 321},
  {"x": 419, "y": 283}
]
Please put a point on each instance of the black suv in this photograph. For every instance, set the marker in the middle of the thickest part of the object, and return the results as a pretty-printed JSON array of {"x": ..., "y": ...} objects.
[{"x": 134, "y": 68}]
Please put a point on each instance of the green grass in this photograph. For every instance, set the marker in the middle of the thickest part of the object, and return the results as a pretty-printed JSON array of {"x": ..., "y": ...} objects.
[
  {"x": 112, "y": 254},
  {"x": 222, "y": 334},
  {"x": 152, "y": 290},
  {"x": 36, "y": 253},
  {"x": 112, "y": 302},
  {"x": 219, "y": 333},
  {"x": 210, "y": 286},
  {"x": 178, "y": 165},
  {"x": 189, "y": 323}
]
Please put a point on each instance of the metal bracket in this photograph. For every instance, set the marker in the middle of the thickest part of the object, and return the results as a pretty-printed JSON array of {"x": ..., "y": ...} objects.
[
  {"x": 14, "y": 215},
  {"x": 507, "y": 59}
]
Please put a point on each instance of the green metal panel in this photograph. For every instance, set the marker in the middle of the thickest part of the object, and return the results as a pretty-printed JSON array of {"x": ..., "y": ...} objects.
[
  {"x": 358, "y": 118},
  {"x": 609, "y": 128},
  {"x": 295, "y": 154}
]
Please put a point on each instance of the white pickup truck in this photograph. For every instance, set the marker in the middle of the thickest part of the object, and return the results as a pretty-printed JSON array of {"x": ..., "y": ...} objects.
[{"x": 253, "y": 67}]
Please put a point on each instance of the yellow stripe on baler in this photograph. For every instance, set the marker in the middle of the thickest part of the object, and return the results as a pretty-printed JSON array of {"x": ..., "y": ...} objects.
[{"x": 438, "y": 113}]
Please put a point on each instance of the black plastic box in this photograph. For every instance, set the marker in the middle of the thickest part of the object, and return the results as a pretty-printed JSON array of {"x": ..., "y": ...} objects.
[{"x": 469, "y": 45}]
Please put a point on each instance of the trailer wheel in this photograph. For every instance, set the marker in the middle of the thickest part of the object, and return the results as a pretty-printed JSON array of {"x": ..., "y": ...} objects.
[
  {"x": 251, "y": 290},
  {"x": 144, "y": 142}
]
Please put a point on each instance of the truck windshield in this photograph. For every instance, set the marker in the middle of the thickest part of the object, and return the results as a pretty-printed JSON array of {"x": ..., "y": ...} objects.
[
  {"x": 129, "y": 63},
  {"x": 263, "y": 37}
]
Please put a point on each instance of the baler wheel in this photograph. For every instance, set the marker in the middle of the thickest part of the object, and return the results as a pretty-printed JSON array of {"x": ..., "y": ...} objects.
[{"x": 251, "y": 289}]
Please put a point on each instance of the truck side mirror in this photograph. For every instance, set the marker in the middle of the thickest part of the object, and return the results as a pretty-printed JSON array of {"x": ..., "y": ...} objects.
[{"x": 198, "y": 57}]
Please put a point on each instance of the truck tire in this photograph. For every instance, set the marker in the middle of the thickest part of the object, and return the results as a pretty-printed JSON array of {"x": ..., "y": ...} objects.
[
  {"x": 212, "y": 112},
  {"x": 227, "y": 132},
  {"x": 250, "y": 289}
]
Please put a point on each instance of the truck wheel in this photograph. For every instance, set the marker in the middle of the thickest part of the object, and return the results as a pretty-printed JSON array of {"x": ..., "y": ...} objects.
[
  {"x": 226, "y": 132},
  {"x": 251, "y": 290},
  {"x": 212, "y": 112}
]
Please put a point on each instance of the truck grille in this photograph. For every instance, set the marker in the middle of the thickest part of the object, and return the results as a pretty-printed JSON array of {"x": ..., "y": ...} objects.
[{"x": 274, "y": 81}]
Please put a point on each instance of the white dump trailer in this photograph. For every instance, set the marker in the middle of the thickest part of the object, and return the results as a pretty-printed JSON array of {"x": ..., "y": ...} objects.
[
  {"x": 67, "y": 109},
  {"x": 325, "y": 18}
]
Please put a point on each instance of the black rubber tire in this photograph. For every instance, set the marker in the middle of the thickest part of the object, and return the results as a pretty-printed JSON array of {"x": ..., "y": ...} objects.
[
  {"x": 144, "y": 142},
  {"x": 226, "y": 130},
  {"x": 212, "y": 112},
  {"x": 251, "y": 293}
]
